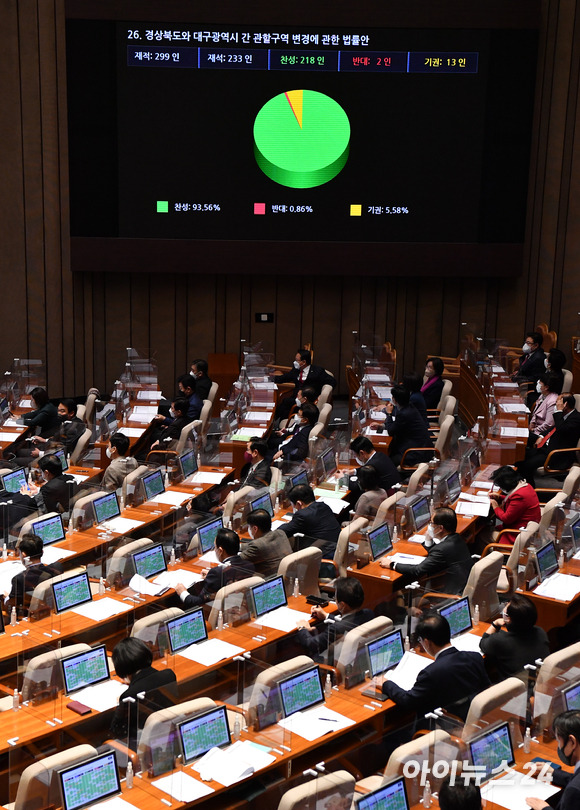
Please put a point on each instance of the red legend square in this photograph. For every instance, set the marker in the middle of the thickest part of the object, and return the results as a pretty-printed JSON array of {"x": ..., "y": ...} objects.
[{"x": 259, "y": 208}]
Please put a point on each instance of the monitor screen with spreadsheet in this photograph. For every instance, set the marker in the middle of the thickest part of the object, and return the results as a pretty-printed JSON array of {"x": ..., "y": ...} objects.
[
  {"x": 71, "y": 592},
  {"x": 301, "y": 691},
  {"x": 186, "y": 630},
  {"x": 204, "y": 731},
  {"x": 207, "y": 534},
  {"x": 299, "y": 478},
  {"x": 380, "y": 541},
  {"x": 106, "y": 507},
  {"x": 263, "y": 502},
  {"x": 89, "y": 782},
  {"x": 50, "y": 529},
  {"x": 153, "y": 484},
  {"x": 269, "y": 595},
  {"x": 421, "y": 513},
  {"x": 188, "y": 463},
  {"x": 328, "y": 459},
  {"x": 385, "y": 652},
  {"x": 572, "y": 697},
  {"x": 453, "y": 486},
  {"x": 85, "y": 669},
  {"x": 489, "y": 750},
  {"x": 547, "y": 560},
  {"x": 458, "y": 615},
  {"x": 149, "y": 561},
  {"x": 12, "y": 481},
  {"x": 392, "y": 796}
]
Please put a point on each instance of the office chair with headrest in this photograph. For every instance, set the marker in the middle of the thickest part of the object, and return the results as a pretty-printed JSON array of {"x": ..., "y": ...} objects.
[
  {"x": 151, "y": 629},
  {"x": 39, "y": 786},
  {"x": 490, "y": 706},
  {"x": 81, "y": 446},
  {"x": 43, "y": 674},
  {"x": 349, "y": 651},
  {"x": 316, "y": 792},
  {"x": 304, "y": 566},
  {"x": 233, "y": 601},
  {"x": 41, "y": 601},
  {"x": 117, "y": 574}
]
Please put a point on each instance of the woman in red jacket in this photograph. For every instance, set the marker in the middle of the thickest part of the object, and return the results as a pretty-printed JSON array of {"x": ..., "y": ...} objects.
[{"x": 518, "y": 503}]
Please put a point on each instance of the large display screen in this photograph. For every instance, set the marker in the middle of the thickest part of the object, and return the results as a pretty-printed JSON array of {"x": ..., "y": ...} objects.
[{"x": 213, "y": 134}]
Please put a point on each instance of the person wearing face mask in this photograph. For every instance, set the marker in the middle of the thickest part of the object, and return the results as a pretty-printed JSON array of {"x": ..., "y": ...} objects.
[
  {"x": 30, "y": 548},
  {"x": 514, "y": 640},
  {"x": 564, "y": 435},
  {"x": 121, "y": 464},
  {"x": 566, "y": 728},
  {"x": 518, "y": 503},
  {"x": 232, "y": 567},
  {"x": 258, "y": 474},
  {"x": 433, "y": 385},
  {"x": 448, "y": 556},
  {"x": 531, "y": 365},
  {"x": 454, "y": 677},
  {"x": 203, "y": 383},
  {"x": 406, "y": 428},
  {"x": 166, "y": 432},
  {"x": 555, "y": 362},
  {"x": 44, "y": 416},
  {"x": 349, "y": 598},
  {"x": 365, "y": 453},
  {"x": 295, "y": 448},
  {"x": 305, "y": 396},
  {"x": 314, "y": 519},
  {"x": 266, "y": 548},
  {"x": 303, "y": 373},
  {"x": 372, "y": 493},
  {"x": 67, "y": 434},
  {"x": 542, "y": 418}
]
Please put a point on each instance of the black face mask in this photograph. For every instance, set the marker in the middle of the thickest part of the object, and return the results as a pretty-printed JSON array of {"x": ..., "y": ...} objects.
[{"x": 567, "y": 760}]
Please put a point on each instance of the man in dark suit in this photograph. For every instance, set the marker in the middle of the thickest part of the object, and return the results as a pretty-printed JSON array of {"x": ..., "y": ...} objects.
[
  {"x": 203, "y": 383},
  {"x": 448, "y": 555},
  {"x": 366, "y": 454},
  {"x": 566, "y": 433},
  {"x": 532, "y": 361},
  {"x": 57, "y": 490},
  {"x": 450, "y": 681},
  {"x": 302, "y": 374},
  {"x": 296, "y": 447},
  {"x": 406, "y": 428},
  {"x": 567, "y": 730},
  {"x": 23, "y": 584},
  {"x": 313, "y": 519},
  {"x": 258, "y": 474},
  {"x": 231, "y": 569},
  {"x": 349, "y": 598},
  {"x": 266, "y": 548},
  {"x": 132, "y": 660}
]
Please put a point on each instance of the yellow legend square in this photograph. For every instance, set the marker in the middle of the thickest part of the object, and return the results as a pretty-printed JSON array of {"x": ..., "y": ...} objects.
[{"x": 356, "y": 210}]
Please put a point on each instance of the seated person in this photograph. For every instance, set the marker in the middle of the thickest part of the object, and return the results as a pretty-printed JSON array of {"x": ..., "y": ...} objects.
[
  {"x": 132, "y": 660},
  {"x": 542, "y": 418},
  {"x": 451, "y": 681},
  {"x": 349, "y": 598},
  {"x": 459, "y": 795},
  {"x": 306, "y": 394},
  {"x": 432, "y": 388},
  {"x": 413, "y": 383},
  {"x": 448, "y": 555},
  {"x": 406, "y": 428},
  {"x": 532, "y": 362},
  {"x": 121, "y": 464},
  {"x": 303, "y": 373},
  {"x": 55, "y": 493},
  {"x": 564, "y": 434},
  {"x": 44, "y": 417},
  {"x": 372, "y": 493},
  {"x": 566, "y": 728},
  {"x": 295, "y": 448},
  {"x": 231, "y": 568},
  {"x": 519, "y": 501},
  {"x": 314, "y": 519},
  {"x": 67, "y": 434},
  {"x": 186, "y": 385},
  {"x": 555, "y": 362},
  {"x": 258, "y": 473},
  {"x": 167, "y": 434},
  {"x": 30, "y": 548},
  {"x": 365, "y": 453},
  {"x": 514, "y": 640},
  {"x": 266, "y": 548}
]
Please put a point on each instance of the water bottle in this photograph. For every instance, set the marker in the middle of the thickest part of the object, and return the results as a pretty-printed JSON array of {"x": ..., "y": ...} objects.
[
  {"x": 237, "y": 729},
  {"x": 395, "y": 532},
  {"x": 407, "y": 645},
  {"x": 15, "y": 700},
  {"x": 476, "y": 615},
  {"x": 296, "y": 591},
  {"x": 4, "y": 552},
  {"x": 198, "y": 460},
  {"x": 172, "y": 556},
  {"x": 561, "y": 559},
  {"x": 527, "y": 741},
  {"x": 426, "y": 800},
  {"x": 13, "y": 617},
  {"x": 327, "y": 686},
  {"x": 129, "y": 775},
  {"x": 220, "y": 624},
  {"x": 101, "y": 586}
]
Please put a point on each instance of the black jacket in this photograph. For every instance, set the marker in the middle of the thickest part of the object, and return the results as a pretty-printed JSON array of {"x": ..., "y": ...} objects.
[
  {"x": 408, "y": 429},
  {"x": 324, "y": 635},
  {"x": 232, "y": 570},
  {"x": 151, "y": 681},
  {"x": 315, "y": 521},
  {"x": 316, "y": 378},
  {"x": 450, "y": 557}
]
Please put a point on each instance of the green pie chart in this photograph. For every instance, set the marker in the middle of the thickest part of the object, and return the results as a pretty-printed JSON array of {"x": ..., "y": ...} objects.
[{"x": 301, "y": 138}]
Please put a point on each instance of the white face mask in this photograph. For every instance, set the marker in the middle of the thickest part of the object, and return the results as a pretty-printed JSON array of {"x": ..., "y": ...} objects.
[
  {"x": 298, "y": 401},
  {"x": 108, "y": 452},
  {"x": 546, "y": 362},
  {"x": 251, "y": 532},
  {"x": 296, "y": 365},
  {"x": 539, "y": 387},
  {"x": 526, "y": 348},
  {"x": 359, "y": 461}
]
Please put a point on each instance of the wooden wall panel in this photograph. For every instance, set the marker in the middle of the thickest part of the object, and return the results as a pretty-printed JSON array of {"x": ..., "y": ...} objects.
[{"x": 81, "y": 325}]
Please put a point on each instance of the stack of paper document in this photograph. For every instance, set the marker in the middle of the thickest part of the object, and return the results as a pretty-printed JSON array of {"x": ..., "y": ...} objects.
[
  {"x": 120, "y": 525},
  {"x": 133, "y": 433},
  {"x": 172, "y": 497},
  {"x": 149, "y": 395},
  {"x": 559, "y": 586},
  {"x": 8, "y": 571},
  {"x": 229, "y": 765},
  {"x": 148, "y": 410},
  {"x": 407, "y": 559},
  {"x": 206, "y": 478},
  {"x": 514, "y": 407},
  {"x": 257, "y": 416},
  {"x": 182, "y": 786},
  {"x": 283, "y": 618},
  {"x": 101, "y": 609},
  {"x": 406, "y": 671},
  {"x": 383, "y": 391},
  {"x": 468, "y": 642},
  {"x": 177, "y": 576},
  {"x": 514, "y": 432},
  {"x": 471, "y": 505},
  {"x": 315, "y": 722},
  {"x": 211, "y": 651},
  {"x": 335, "y": 503},
  {"x": 102, "y": 696},
  {"x": 264, "y": 386},
  {"x": 209, "y": 557},
  {"x": 512, "y": 790}
]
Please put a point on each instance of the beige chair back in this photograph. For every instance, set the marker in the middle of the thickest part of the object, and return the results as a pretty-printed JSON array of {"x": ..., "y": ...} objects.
[
  {"x": 447, "y": 387},
  {"x": 489, "y": 706},
  {"x": 448, "y": 407},
  {"x": 41, "y": 601},
  {"x": 512, "y": 562},
  {"x": 233, "y": 499},
  {"x": 547, "y": 511},
  {"x": 436, "y": 745},
  {"x": 572, "y": 483},
  {"x": 568, "y": 379},
  {"x": 81, "y": 412},
  {"x": 386, "y": 506},
  {"x": 276, "y": 479},
  {"x": 90, "y": 408},
  {"x": 348, "y": 657},
  {"x": 28, "y": 527},
  {"x": 268, "y": 678},
  {"x": 38, "y": 786},
  {"x": 213, "y": 392},
  {"x": 159, "y": 729},
  {"x": 81, "y": 446},
  {"x": 151, "y": 629},
  {"x": 43, "y": 675},
  {"x": 116, "y": 575},
  {"x": 185, "y": 434},
  {"x": 324, "y": 415},
  {"x": 132, "y": 480},
  {"x": 302, "y": 565},
  {"x": 420, "y": 477},
  {"x": 481, "y": 587},
  {"x": 80, "y": 506},
  {"x": 317, "y": 792},
  {"x": 343, "y": 557},
  {"x": 234, "y": 602},
  {"x": 325, "y": 395},
  {"x": 557, "y": 663},
  {"x": 443, "y": 443}
]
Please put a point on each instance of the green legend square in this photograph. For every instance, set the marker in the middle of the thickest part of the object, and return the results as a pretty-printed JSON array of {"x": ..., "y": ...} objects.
[{"x": 162, "y": 206}]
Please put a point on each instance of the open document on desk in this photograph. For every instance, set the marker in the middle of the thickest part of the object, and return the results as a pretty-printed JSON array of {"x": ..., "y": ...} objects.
[
  {"x": 210, "y": 652},
  {"x": 559, "y": 586},
  {"x": 101, "y": 696},
  {"x": 513, "y": 788},
  {"x": 100, "y": 609},
  {"x": 314, "y": 723},
  {"x": 182, "y": 787},
  {"x": 283, "y": 618},
  {"x": 232, "y": 764},
  {"x": 406, "y": 671}
]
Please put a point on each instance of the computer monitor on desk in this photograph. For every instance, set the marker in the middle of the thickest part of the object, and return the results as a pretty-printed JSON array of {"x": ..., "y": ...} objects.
[
  {"x": 86, "y": 668},
  {"x": 418, "y": 512},
  {"x": 89, "y": 782},
  {"x": 185, "y": 630},
  {"x": 48, "y": 528},
  {"x": 328, "y": 463},
  {"x": 570, "y": 540},
  {"x": 392, "y": 795},
  {"x": 204, "y": 538},
  {"x": 571, "y": 695},
  {"x": 380, "y": 541},
  {"x": 268, "y": 596},
  {"x": 188, "y": 464},
  {"x": 301, "y": 691},
  {"x": 106, "y": 507},
  {"x": 71, "y": 592},
  {"x": 492, "y": 751},
  {"x": 299, "y": 478},
  {"x": 451, "y": 488},
  {"x": 13, "y": 481},
  {"x": 547, "y": 561},
  {"x": 153, "y": 484},
  {"x": 150, "y": 561},
  {"x": 203, "y": 731},
  {"x": 263, "y": 501}
]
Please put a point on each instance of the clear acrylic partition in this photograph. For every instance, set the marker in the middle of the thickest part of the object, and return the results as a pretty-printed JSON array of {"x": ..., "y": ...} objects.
[
  {"x": 550, "y": 697},
  {"x": 140, "y": 368},
  {"x": 29, "y": 373},
  {"x": 562, "y": 530},
  {"x": 185, "y": 534},
  {"x": 243, "y": 507}
]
